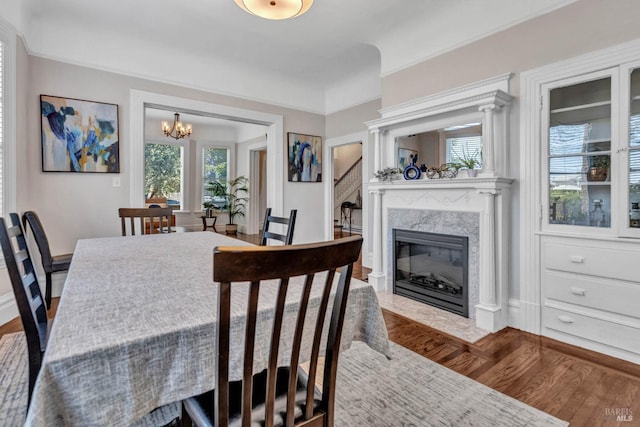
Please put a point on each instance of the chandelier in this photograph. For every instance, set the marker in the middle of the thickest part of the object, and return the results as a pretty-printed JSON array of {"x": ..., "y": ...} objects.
[
  {"x": 177, "y": 130},
  {"x": 275, "y": 9}
]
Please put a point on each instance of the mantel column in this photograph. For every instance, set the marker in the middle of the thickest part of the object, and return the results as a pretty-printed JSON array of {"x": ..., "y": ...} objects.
[
  {"x": 377, "y": 150},
  {"x": 488, "y": 310},
  {"x": 376, "y": 277},
  {"x": 488, "y": 140}
]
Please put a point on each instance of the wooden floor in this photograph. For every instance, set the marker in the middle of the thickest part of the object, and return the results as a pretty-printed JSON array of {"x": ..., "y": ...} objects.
[{"x": 573, "y": 384}]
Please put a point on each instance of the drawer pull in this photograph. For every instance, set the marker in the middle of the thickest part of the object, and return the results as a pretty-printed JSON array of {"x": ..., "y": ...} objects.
[
  {"x": 565, "y": 319},
  {"x": 578, "y": 291},
  {"x": 576, "y": 259}
]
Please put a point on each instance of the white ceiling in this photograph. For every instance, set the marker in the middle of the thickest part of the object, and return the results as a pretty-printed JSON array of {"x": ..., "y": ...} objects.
[{"x": 214, "y": 45}]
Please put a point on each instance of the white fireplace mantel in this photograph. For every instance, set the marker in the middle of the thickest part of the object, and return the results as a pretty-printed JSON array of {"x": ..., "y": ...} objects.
[
  {"x": 484, "y": 200},
  {"x": 489, "y": 198}
]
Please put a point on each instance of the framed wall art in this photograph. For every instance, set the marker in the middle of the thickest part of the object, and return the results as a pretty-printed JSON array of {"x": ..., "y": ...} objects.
[
  {"x": 304, "y": 157},
  {"x": 78, "y": 135},
  {"x": 406, "y": 157}
]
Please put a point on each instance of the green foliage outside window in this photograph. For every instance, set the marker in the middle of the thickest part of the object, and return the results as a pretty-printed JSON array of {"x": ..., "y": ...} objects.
[
  {"x": 569, "y": 207},
  {"x": 162, "y": 170}
]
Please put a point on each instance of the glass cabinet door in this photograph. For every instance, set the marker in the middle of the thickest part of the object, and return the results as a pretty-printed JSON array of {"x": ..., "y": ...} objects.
[
  {"x": 634, "y": 150},
  {"x": 579, "y": 154}
]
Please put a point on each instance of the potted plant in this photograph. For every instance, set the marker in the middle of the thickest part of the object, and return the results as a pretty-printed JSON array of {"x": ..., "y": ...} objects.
[
  {"x": 598, "y": 168},
  {"x": 386, "y": 174},
  {"x": 234, "y": 193},
  {"x": 469, "y": 162}
]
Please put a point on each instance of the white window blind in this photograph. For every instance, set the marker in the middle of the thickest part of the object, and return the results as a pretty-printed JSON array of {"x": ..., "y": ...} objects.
[{"x": 465, "y": 147}]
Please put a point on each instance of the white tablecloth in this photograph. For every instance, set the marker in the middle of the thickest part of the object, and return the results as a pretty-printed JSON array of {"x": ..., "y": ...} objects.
[{"x": 135, "y": 329}]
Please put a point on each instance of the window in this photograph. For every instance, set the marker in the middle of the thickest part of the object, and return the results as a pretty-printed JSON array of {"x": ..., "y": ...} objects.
[
  {"x": 164, "y": 171},
  {"x": 214, "y": 168},
  {"x": 464, "y": 143}
]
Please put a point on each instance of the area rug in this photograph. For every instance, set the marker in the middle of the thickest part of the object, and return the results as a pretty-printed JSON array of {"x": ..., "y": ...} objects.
[
  {"x": 411, "y": 390},
  {"x": 373, "y": 391}
]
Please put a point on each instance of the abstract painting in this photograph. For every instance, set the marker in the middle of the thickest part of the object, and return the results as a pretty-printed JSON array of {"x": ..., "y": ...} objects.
[
  {"x": 305, "y": 157},
  {"x": 406, "y": 157},
  {"x": 79, "y": 136}
]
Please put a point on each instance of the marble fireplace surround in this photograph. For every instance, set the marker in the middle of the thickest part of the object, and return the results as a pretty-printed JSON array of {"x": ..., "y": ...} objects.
[
  {"x": 474, "y": 207},
  {"x": 465, "y": 224}
]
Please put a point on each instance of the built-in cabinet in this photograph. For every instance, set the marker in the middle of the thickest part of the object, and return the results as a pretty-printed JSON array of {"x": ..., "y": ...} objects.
[{"x": 590, "y": 209}]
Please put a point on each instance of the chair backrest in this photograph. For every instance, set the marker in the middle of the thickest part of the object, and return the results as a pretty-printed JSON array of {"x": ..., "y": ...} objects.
[
  {"x": 258, "y": 263},
  {"x": 150, "y": 220},
  {"x": 290, "y": 223},
  {"x": 31, "y": 218},
  {"x": 26, "y": 291}
]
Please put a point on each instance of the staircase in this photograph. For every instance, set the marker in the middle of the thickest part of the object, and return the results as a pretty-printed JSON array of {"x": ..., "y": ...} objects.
[{"x": 345, "y": 187}]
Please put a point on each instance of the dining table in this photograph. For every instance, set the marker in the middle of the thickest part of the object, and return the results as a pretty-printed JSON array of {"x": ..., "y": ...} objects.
[{"x": 135, "y": 328}]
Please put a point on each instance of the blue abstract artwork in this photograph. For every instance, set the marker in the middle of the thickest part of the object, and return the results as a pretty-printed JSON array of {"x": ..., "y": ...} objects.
[
  {"x": 79, "y": 136},
  {"x": 305, "y": 157}
]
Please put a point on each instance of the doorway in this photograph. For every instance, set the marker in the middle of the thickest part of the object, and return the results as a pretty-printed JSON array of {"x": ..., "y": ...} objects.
[
  {"x": 258, "y": 185},
  {"x": 356, "y": 145},
  {"x": 347, "y": 189},
  {"x": 275, "y": 133}
]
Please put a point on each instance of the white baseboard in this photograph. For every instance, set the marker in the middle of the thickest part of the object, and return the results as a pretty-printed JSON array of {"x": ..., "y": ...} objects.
[
  {"x": 514, "y": 319},
  {"x": 57, "y": 283},
  {"x": 8, "y": 308},
  {"x": 367, "y": 261},
  {"x": 524, "y": 315}
]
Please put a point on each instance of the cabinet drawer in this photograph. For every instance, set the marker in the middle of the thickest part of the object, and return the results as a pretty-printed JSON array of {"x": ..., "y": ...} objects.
[
  {"x": 601, "y": 294},
  {"x": 603, "y": 262},
  {"x": 598, "y": 330}
]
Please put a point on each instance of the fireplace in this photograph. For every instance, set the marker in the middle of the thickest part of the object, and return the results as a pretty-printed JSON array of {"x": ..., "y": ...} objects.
[{"x": 432, "y": 268}]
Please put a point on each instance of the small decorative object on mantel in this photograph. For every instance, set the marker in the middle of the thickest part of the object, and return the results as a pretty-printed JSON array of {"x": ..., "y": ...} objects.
[
  {"x": 412, "y": 171},
  {"x": 446, "y": 170},
  {"x": 386, "y": 174},
  {"x": 470, "y": 162}
]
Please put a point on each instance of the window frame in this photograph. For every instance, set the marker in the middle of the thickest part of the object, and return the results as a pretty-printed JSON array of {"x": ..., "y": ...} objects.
[
  {"x": 199, "y": 163},
  {"x": 185, "y": 176}
]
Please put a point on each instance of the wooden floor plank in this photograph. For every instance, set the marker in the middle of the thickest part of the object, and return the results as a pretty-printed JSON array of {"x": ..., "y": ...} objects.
[
  {"x": 568, "y": 382},
  {"x": 464, "y": 363},
  {"x": 571, "y": 381}
]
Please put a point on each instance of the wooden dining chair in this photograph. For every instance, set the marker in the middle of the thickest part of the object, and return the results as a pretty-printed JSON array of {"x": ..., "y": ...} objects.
[
  {"x": 289, "y": 223},
  {"x": 26, "y": 291},
  {"x": 50, "y": 263},
  {"x": 150, "y": 220},
  {"x": 277, "y": 396}
]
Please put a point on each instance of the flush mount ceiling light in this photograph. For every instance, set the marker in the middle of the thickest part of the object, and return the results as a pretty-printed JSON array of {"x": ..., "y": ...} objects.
[
  {"x": 275, "y": 9},
  {"x": 178, "y": 130}
]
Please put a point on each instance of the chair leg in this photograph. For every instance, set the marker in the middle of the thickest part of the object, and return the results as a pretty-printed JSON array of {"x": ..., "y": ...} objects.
[
  {"x": 185, "y": 419},
  {"x": 47, "y": 295}
]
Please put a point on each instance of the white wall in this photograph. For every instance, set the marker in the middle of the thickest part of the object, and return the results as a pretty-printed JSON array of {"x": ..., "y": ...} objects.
[
  {"x": 73, "y": 206},
  {"x": 344, "y": 157}
]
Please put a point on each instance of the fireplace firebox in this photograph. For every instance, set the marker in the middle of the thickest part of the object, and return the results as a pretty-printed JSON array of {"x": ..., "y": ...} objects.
[{"x": 432, "y": 268}]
